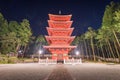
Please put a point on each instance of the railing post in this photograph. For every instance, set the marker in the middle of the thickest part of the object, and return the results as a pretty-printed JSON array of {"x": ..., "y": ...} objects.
[
  {"x": 80, "y": 61},
  {"x": 64, "y": 61}
]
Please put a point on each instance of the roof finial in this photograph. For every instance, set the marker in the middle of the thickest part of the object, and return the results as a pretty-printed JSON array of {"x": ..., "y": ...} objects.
[{"x": 59, "y": 11}]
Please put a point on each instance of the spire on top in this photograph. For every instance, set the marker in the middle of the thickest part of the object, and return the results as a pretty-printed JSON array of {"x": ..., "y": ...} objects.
[{"x": 59, "y": 11}]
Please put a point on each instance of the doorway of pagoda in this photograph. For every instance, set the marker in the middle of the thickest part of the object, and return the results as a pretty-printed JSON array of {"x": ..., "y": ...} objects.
[{"x": 60, "y": 58}]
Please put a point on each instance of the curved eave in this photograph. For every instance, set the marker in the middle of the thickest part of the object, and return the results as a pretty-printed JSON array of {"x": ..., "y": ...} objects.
[
  {"x": 59, "y": 47},
  {"x": 55, "y": 31},
  {"x": 49, "y": 28},
  {"x": 52, "y": 21},
  {"x": 50, "y": 38},
  {"x": 59, "y": 15},
  {"x": 62, "y": 24},
  {"x": 62, "y": 37}
]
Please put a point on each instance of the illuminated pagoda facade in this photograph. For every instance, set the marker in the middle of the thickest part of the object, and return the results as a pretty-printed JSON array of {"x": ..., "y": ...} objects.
[{"x": 59, "y": 38}]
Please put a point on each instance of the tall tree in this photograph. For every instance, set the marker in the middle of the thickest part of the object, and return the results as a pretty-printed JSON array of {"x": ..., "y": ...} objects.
[
  {"x": 14, "y": 26},
  {"x": 3, "y": 31},
  {"x": 39, "y": 42},
  {"x": 90, "y": 34},
  {"x": 25, "y": 33},
  {"x": 111, "y": 19}
]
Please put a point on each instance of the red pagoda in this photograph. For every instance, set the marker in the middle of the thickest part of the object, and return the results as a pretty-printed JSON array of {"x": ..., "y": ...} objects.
[{"x": 59, "y": 38}]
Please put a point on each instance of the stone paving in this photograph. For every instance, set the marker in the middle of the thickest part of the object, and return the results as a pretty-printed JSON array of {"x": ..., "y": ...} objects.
[
  {"x": 60, "y": 73},
  {"x": 25, "y": 71},
  {"x": 94, "y": 71},
  {"x": 35, "y": 71}
]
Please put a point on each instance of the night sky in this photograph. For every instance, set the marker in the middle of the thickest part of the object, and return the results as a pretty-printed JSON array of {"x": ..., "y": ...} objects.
[{"x": 85, "y": 13}]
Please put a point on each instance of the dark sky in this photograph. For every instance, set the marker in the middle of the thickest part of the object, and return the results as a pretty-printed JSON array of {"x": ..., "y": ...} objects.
[{"x": 85, "y": 13}]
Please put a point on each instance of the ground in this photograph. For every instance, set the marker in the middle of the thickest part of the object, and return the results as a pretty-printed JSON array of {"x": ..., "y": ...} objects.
[{"x": 35, "y": 71}]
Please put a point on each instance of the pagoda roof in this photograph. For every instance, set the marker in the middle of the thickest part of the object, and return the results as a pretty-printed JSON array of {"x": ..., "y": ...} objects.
[
  {"x": 59, "y": 40},
  {"x": 59, "y": 21},
  {"x": 60, "y": 17},
  {"x": 60, "y": 24},
  {"x": 59, "y": 31}
]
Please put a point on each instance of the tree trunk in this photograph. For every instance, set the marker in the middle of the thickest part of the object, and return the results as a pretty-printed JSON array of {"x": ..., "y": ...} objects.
[
  {"x": 102, "y": 51},
  {"x": 81, "y": 51},
  {"x": 17, "y": 48},
  {"x": 85, "y": 49},
  {"x": 89, "y": 52},
  {"x": 98, "y": 54},
  {"x": 93, "y": 51},
  {"x": 107, "y": 53},
  {"x": 110, "y": 49},
  {"x": 24, "y": 50},
  {"x": 117, "y": 51},
  {"x": 116, "y": 38}
]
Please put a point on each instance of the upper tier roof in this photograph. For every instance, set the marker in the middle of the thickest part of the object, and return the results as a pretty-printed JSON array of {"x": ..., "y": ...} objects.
[
  {"x": 59, "y": 40},
  {"x": 59, "y": 24},
  {"x": 59, "y": 17},
  {"x": 59, "y": 31}
]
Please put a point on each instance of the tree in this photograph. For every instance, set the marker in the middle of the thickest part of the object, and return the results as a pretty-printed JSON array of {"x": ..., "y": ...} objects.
[
  {"x": 111, "y": 23},
  {"x": 3, "y": 31},
  {"x": 117, "y": 25},
  {"x": 14, "y": 26},
  {"x": 25, "y": 33},
  {"x": 76, "y": 40},
  {"x": 111, "y": 19},
  {"x": 39, "y": 42},
  {"x": 90, "y": 34}
]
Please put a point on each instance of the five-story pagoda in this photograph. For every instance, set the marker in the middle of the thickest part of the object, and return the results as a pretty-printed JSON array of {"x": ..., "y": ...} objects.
[{"x": 59, "y": 38}]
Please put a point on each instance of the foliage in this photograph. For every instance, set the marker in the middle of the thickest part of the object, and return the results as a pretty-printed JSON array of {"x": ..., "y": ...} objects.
[
  {"x": 104, "y": 43},
  {"x": 13, "y": 35}
]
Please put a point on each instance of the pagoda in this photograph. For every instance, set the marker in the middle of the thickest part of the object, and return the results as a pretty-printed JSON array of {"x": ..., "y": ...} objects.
[{"x": 59, "y": 38}]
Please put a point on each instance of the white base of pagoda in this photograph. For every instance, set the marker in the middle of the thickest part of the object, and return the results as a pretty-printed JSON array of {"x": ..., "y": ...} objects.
[
  {"x": 47, "y": 61},
  {"x": 73, "y": 61}
]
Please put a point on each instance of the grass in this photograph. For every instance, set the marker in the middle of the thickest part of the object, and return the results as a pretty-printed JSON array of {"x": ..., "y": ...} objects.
[{"x": 8, "y": 60}]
